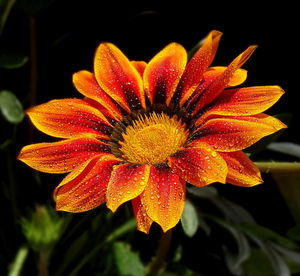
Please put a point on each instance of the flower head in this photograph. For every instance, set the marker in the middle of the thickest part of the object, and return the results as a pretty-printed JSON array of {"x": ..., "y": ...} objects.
[{"x": 144, "y": 130}]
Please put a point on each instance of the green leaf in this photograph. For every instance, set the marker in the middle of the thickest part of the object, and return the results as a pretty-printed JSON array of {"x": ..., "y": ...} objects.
[
  {"x": 189, "y": 219},
  {"x": 11, "y": 107},
  {"x": 179, "y": 270},
  {"x": 280, "y": 267},
  {"x": 74, "y": 252},
  {"x": 235, "y": 260},
  {"x": 5, "y": 144},
  {"x": 12, "y": 60},
  {"x": 266, "y": 235},
  {"x": 232, "y": 211},
  {"x": 5, "y": 8},
  {"x": 286, "y": 148},
  {"x": 203, "y": 192},
  {"x": 294, "y": 233},
  {"x": 292, "y": 255},
  {"x": 127, "y": 261},
  {"x": 258, "y": 264},
  {"x": 288, "y": 184}
]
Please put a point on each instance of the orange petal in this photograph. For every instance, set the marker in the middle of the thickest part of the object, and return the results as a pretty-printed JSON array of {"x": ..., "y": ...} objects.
[
  {"x": 70, "y": 118},
  {"x": 87, "y": 85},
  {"x": 209, "y": 90},
  {"x": 196, "y": 67},
  {"x": 238, "y": 77},
  {"x": 235, "y": 133},
  {"x": 127, "y": 182},
  {"x": 243, "y": 101},
  {"x": 87, "y": 190},
  {"x": 163, "y": 73},
  {"x": 241, "y": 170},
  {"x": 143, "y": 221},
  {"x": 164, "y": 196},
  {"x": 62, "y": 156},
  {"x": 199, "y": 166},
  {"x": 118, "y": 77},
  {"x": 140, "y": 66}
]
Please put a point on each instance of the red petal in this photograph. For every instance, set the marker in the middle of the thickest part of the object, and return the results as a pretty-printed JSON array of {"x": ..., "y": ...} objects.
[
  {"x": 238, "y": 77},
  {"x": 208, "y": 91},
  {"x": 235, "y": 133},
  {"x": 196, "y": 67},
  {"x": 118, "y": 77},
  {"x": 85, "y": 188},
  {"x": 70, "y": 118},
  {"x": 127, "y": 182},
  {"x": 87, "y": 85},
  {"x": 63, "y": 156},
  {"x": 163, "y": 73},
  {"x": 241, "y": 170},
  {"x": 143, "y": 221},
  {"x": 140, "y": 66},
  {"x": 164, "y": 196},
  {"x": 243, "y": 101},
  {"x": 199, "y": 166}
]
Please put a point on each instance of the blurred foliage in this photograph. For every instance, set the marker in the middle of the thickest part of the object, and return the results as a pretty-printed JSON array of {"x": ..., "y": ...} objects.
[
  {"x": 218, "y": 234},
  {"x": 11, "y": 107}
]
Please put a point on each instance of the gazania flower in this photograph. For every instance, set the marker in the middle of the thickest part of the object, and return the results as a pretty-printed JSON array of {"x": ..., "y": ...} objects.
[{"x": 144, "y": 130}]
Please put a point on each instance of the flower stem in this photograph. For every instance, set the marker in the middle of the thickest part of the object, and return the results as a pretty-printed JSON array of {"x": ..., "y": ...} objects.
[
  {"x": 278, "y": 167},
  {"x": 43, "y": 263},
  {"x": 32, "y": 93},
  {"x": 162, "y": 251}
]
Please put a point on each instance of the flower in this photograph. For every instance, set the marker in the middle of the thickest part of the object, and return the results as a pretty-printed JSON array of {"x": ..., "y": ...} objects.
[{"x": 145, "y": 130}]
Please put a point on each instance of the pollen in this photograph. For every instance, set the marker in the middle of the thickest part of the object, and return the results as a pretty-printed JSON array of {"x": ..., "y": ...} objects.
[{"x": 152, "y": 138}]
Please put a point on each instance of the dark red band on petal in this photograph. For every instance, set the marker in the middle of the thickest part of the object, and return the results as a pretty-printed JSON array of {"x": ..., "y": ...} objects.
[
  {"x": 235, "y": 133},
  {"x": 209, "y": 90},
  {"x": 63, "y": 156},
  {"x": 163, "y": 73},
  {"x": 199, "y": 166},
  {"x": 118, "y": 77},
  {"x": 196, "y": 67},
  {"x": 87, "y": 190},
  {"x": 87, "y": 85},
  {"x": 143, "y": 221},
  {"x": 127, "y": 182},
  {"x": 241, "y": 170},
  {"x": 164, "y": 196},
  {"x": 70, "y": 118}
]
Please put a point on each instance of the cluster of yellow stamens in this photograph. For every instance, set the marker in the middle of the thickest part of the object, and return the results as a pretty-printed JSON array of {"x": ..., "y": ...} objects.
[{"x": 152, "y": 138}]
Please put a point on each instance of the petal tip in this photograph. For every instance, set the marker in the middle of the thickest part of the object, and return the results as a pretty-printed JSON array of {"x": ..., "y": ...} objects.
[
  {"x": 216, "y": 34},
  {"x": 111, "y": 206}
]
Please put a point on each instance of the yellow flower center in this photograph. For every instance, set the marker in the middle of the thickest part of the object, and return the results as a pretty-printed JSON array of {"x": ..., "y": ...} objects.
[{"x": 151, "y": 139}]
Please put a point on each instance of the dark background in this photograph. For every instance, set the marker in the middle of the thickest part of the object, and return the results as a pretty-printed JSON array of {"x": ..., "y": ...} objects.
[{"x": 68, "y": 32}]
